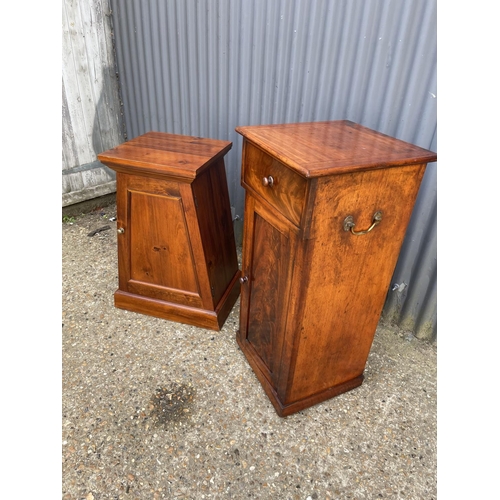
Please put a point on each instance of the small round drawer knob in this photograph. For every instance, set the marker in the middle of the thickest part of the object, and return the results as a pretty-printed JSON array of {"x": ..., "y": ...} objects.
[
  {"x": 268, "y": 181},
  {"x": 120, "y": 230},
  {"x": 243, "y": 280}
]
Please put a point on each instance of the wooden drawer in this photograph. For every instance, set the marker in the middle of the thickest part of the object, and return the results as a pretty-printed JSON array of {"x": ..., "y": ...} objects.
[{"x": 274, "y": 182}]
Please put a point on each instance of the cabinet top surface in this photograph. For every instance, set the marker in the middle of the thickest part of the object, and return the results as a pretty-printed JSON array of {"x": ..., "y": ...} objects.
[
  {"x": 162, "y": 153},
  {"x": 323, "y": 148}
]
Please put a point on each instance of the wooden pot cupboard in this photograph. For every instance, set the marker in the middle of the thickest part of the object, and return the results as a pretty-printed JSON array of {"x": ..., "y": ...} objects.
[
  {"x": 176, "y": 250},
  {"x": 327, "y": 205}
]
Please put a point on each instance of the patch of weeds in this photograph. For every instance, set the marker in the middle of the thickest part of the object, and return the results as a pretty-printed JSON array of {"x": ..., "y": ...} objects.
[{"x": 68, "y": 219}]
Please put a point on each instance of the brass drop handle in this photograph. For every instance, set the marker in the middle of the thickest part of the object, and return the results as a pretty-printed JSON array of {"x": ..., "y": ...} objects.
[
  {"x": 349, "y": 223},
  {"x": 268, "y": 181},
  {"x": 243, "y": 280},
  {"x": 120, "y": 230}
]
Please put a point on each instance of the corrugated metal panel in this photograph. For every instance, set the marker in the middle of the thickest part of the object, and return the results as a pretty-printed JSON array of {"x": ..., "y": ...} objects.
[
  {"x": 204, "y": 67},
  {"x": 91, "y": 113}
]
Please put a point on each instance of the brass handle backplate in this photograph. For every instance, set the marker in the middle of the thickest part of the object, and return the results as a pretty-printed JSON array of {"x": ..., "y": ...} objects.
[
  {"x": 268, "y": 181},
  {"x": 349, "y": 223}
]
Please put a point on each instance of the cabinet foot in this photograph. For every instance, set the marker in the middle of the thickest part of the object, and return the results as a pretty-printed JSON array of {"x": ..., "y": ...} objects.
[
  {"x": 203, "y": 318},
  {"x": 282, "y": 409}
]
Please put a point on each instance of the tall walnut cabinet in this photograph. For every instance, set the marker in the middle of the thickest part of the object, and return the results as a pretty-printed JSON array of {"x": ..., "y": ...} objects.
[
  {"x": 327, "y": 205},
  {"x": 176, "y": 250}
]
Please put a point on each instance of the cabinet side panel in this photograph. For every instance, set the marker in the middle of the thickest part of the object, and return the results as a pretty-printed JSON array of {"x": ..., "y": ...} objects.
[
  {"x": 349, "y": 275},
  {"x": 216, "y": 228}
]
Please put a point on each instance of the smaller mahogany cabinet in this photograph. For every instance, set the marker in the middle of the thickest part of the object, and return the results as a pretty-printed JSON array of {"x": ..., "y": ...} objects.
[
  {"x": 176, "y": 249},
  {"x": 326, "y": 210}
]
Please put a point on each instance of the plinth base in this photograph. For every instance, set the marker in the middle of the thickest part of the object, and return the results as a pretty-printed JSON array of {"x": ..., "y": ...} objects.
[
  {"x": 285, "y": 409},
  {"x": 204, "y": 318}
]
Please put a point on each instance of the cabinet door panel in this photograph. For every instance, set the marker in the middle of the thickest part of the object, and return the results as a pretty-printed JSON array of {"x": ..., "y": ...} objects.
[
  {"x": 157, "y": 249},
  {"x": 264, "y": 299},
  {"x": 159, "y": 243}
]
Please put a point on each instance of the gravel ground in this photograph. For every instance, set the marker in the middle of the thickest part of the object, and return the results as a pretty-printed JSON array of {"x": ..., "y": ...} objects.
[{"x": 154, "y": 409}]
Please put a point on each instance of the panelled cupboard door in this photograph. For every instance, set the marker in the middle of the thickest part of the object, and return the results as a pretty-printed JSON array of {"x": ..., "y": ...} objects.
[
  {"x": 154, "y": 264},
  {"x": 267, "y": 269}
]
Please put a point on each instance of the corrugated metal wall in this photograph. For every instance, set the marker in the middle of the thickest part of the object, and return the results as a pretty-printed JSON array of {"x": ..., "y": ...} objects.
[
  {"x": 204, "y": 67},
  {"x": 91, "y": 114}
]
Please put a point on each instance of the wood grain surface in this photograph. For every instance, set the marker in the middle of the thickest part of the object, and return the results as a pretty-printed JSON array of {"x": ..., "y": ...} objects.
[
  {"x": 158, "y": 153},
  {"x": 333, "y": 147}
]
